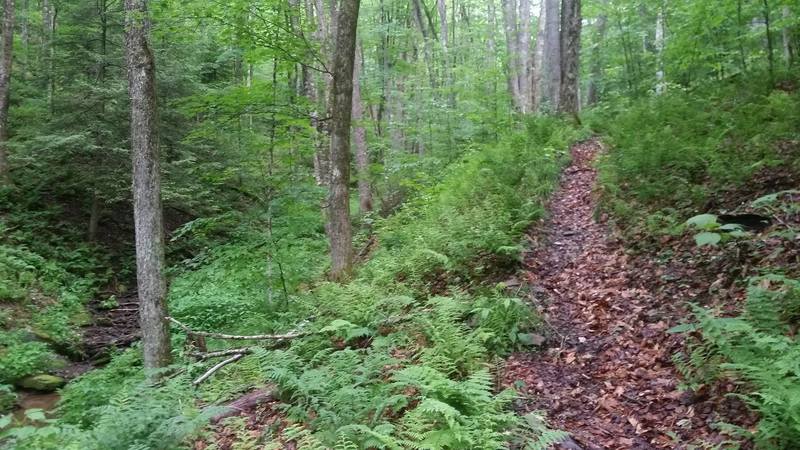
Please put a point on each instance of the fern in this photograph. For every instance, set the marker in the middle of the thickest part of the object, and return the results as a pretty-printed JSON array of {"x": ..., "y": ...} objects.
[{"x": 756, "y": 348}]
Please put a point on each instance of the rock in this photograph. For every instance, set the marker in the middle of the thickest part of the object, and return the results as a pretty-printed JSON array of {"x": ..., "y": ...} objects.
[{"x": 42, "y": 382}]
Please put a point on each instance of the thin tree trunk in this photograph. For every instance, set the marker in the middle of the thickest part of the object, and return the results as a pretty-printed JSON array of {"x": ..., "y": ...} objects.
[
  {"x": 49, "y": 24},
  {"x": 552, "y": 56},
  {"x": 740, "y": 36},
  {"x": 511, "y": 29},
  {"x": 569, "y": 102},
  {"x": 660, "y": 82},
  {"x": 360, "y": 141},
  {"x": 770, "y": 50},
  {"x": 147, "y": 209},
  {"x": 339, "y": 200},
  {"x": 491, "y": 44},
  {"x": 94, "y": 217},
  {"x": 426, "y": 44},
  {"x": 596, "y": 81},
  {"x": 5, "y": 87},
  {"x": 322, "y": 161},
  {"x": 525, "y": 70},
  {"x": 537, "y": 78},
  {"x": 448, "y": 76},
  {"x": 786, "y": 34}
]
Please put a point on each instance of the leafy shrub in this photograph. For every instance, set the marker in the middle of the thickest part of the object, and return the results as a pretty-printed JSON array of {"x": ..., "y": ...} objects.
[
  {"x": 671, "y": 154},
  {"x": 20, "y": 358}
]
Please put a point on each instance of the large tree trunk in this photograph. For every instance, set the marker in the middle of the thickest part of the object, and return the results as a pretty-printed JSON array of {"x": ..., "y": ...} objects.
[
  {"x": 5, "y": 87},
  {"x": 569, "y": 101},
  {"x": 512, "y": 41},
  {"x": 525, "y": 61},
  {"x": 147, "y": 210},
  {"x": 552, "y": 57},
  {"x": 360, "y": 140},
  {"x": 339, "y": 199},
  {"x": 595, "y": 82}
]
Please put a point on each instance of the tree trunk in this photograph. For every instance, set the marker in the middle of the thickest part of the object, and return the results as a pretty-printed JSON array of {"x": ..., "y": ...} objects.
[
  {"x": 569, "y": 101},
  {"x": 595, "y": 82},
  {"x": 770, "y": 51},
  {"x": 537, "y": 78},
  {"x": 147, "y": 209},
  {"x": 510, "y": 24},
  {"x": 426, "y": 44},
  {"x": 448, "y": 75},
  {"x": 323, "y": 36},
  {"x": 94, "y": 217},
  {"x": 360, "y": 140},
  {"x": 5, "y": 87},
  {"x": 339, "y": 199},
  {"x": 660, "y": 83},
  {"x": 49, "y": 25},
  {"x": 552, "y": 56},
  {"x": 786, "y": 34},
  {"x": 524, "y": 46}
]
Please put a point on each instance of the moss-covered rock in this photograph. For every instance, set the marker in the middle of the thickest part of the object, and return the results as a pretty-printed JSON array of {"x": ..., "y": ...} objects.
[{"x": 42, "y": 382}]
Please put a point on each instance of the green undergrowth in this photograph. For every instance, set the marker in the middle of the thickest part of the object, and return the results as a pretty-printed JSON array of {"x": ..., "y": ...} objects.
[
  {"x": 720, "y": 147},
  {"x": 44, "y": 284},
  {"x": 677, "y": 154},
  {"x": 400, "y": 356}
]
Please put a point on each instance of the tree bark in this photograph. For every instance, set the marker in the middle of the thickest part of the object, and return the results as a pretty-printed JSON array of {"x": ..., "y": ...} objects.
[
  {"x": 360, "y": 140},
  {"x": 596, "y": 81},
  {"x": 147, "y": 209},
  {"x": 49, "y": 25},
  {"x": 5, "y": 87},
  {"x": 537, "y": 78},
  {"x": 569, "y": 101},
  {"x": 552, "y": 57},
  {"x": 512, "y": 41},
  {"x": 339, "y": 199},
  {"x": 94, "y": 217},
  {"x": 525, "y": 61}
]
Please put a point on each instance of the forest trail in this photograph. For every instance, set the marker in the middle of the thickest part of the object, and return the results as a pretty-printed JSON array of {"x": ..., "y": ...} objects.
[{"x": 606, "y": 374}]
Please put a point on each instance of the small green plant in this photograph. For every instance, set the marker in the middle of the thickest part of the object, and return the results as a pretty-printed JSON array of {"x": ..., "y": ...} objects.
[
  {"x": 110, "y": 302},
  {"x": 712, "y": 233}
]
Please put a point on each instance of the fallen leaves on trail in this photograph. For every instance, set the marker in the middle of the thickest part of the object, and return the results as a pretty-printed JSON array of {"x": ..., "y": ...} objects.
[{"x": 607, "y": 377}]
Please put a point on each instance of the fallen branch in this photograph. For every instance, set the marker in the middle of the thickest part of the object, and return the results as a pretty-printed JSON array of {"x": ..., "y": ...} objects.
[
  {"x": 220, "y": 365},
  {"x": 217, "y": 354},
  {"x": 255, "y": 337}
]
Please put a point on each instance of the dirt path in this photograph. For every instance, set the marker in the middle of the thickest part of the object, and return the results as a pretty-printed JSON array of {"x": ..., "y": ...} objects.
[{"x": 606, "y": 375}]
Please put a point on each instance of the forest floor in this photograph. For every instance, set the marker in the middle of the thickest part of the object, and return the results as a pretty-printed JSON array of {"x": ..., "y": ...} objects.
[{"x": 606, "y": 375}]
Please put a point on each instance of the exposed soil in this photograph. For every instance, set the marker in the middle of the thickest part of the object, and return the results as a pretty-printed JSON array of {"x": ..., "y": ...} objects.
[
  {"x": 607, "y": 375},
  {"x": 113, "y": 325}
]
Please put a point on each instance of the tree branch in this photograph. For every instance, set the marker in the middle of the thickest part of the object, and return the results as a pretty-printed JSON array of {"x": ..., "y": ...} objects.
[
  {"x": 219, "y": 365},
  {"x": 255, "y": 337}
]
